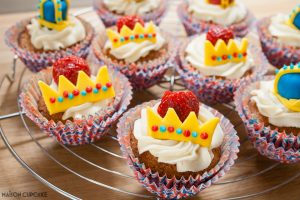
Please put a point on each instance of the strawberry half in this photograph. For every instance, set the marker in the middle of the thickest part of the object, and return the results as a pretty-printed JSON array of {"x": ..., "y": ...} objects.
[
  {"x": 217, "y": 32},
  {"x": 129, "y": 21}
]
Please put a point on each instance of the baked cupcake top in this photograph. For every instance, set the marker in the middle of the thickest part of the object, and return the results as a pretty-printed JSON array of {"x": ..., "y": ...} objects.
[
  {"x": 132, "y": 7},
  {"x": 218, "y": 53},
  {"x": 223, "y": 12},
  {"x": 279, "y": 99},
  {"x": 180, "y": 131},
  {"x": 54, "y": 28},
  {"x": 286, "y": 28},
  {"x": 134, "y": 39},
  {"x": 74, "y": 91}
]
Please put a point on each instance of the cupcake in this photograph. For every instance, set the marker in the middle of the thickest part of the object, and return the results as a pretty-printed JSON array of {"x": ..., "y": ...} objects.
[
  {"x": 198, "y": 16},
  {"x": 137, "y": 49},
  {"x": 270, "y": 109},
  {"x": 280, "y": 38},
  {"x": 53, "y": 34},
  {"x": 176, "y": 146},
  {"x": 111, "y": 11},
  {"x": 72, "y": 104},
  {"x": 212, "y": 64}
]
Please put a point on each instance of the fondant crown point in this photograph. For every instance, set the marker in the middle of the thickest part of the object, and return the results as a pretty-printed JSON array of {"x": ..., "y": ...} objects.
[{"x": 294, "y": 18}]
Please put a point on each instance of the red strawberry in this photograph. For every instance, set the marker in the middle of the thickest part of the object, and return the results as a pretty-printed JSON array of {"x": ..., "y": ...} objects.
[
  {"x": 182, "y": 102},
  {"x": 218, "y": 32},
  {"x": 69, "y": 67},
  {"x": 129, "y": 21}
]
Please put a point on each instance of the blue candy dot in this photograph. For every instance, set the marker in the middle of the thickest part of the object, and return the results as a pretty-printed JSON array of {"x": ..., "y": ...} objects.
[
  {"x": 229, "y": 57},
  {"x": 179, "y": 131},
  {"x": 149, "y": 35},
  {"x": 240, "y": 55},
  {"x": 284, "y": 67},
  {"x": 194, "y": 134},
  {"x": 71, "y": 96},
  {"x": 104, "y": 88},
  {"x": 162, "y": 129},
  {"x": 141, "y": 36},
  {"x": 59, "y": 19},
  {"x": 277, "y": 71},
  {"x": 83, "y": 93},
  {"x": 132, "y": 37},
  {"x": 219, "y": 59},
  {"x": 122, "y": 39},
  {"x": 60, "y": 99},
  {"x": 95, "y": 90}
]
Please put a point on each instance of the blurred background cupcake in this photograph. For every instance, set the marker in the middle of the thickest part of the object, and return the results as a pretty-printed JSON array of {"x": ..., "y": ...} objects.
[
  {"x": 137, "y": 49},
  {"x": 270, "y": 109},
  {"x": 178, "y": 144},
  {"x": 212, "y": 64},
  {"x": 53, "y": 34},
  {"x": 74, "y": 105},
  {"x": 280, "y": 38},
  {"x": 198, "y": 16},
  {"x": 149, "y": 10}
]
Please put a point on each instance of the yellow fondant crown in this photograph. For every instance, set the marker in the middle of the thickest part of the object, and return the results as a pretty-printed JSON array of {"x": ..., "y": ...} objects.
[
  {"x": 223, "y": 53},
  {"x": 294, "y": 18},
  {"x": 138, "y": 34},
  {"x": 86, "y": 90},
  {"x": 171, "y": 128}
]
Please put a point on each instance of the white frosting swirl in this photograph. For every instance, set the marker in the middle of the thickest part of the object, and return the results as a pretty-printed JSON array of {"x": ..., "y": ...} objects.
[
  {"x": 195, "y": 56},
  {"x": 83, "y": 110},
  {"x": 209, "y": 12},
  {"x": 133, "y": 51},
  {"x": 186, "y": 155},
  {"x": 43, "y": 38},
  {"x": 131, "y": 7},
  {"x": 270, "y": 106},
  {"x": 285, "y": 34}
]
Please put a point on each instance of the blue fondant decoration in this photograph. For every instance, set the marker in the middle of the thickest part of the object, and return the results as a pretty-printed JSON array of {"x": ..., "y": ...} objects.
[
  {"x": 289, "y": 86},
  {"x": 49, "y": 11},
  {"x": 296, "y": 21},
  {"x": 64, "y": 8}
]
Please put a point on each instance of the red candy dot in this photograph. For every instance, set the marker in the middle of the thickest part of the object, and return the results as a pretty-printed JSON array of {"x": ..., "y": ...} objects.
[
  {"x": 245, "y": 54},
  {"x": 98, "y": 86},
  {"x": 146, "y": 35},
  {"x": 154, "y": 128},
  {"x": 76, "y": 92},
  {"x": 108, "y": 85},
  {"x": 115, "y": 40},
  {"x": 137, "y": 36},
  {"x": 89, "y": 89},
  {"x": 213, "y": 57},
  {"x": 204, "y": 136},
  {"x": 66, "y": 94},
  {"x": 154, "y": 34},
  {"x": 235, "y": 55},
  {"x": 187, "y": 133},
  {"x": 224, "y": 57},
  {"x": 171, "y": 129},
  {"x": 126, "y": 38},
  {"x": 52, "y": 100}
]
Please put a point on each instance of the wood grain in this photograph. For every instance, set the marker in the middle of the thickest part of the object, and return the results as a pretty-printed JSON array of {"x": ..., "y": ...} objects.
[{"x": 15, "y": 178}]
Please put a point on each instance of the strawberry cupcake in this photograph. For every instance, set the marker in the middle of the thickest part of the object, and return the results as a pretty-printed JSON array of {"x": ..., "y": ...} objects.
[
  {"x": 177, "y": 146},
  {"x": 53, "y": 34},
  {"x": 212, "y": 64},
  {"x": 198, "y": 16},
  {"x": 270, "y": 109},
  {"x": 73, "y": 104},
  {"x": 111, "y": 11},
  {"x": 137, "y": 49},
  {"x": 280, "y": 38}
]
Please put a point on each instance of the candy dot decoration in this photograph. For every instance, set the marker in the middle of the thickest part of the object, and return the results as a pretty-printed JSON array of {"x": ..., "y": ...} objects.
[
  {"x": 294, "y": 18},
  {"x": 54, "y": 14},
  {"x": 286, "y": 86},
  {"x": 70, "y": 95},
  {"x": 188, "y": 131}
]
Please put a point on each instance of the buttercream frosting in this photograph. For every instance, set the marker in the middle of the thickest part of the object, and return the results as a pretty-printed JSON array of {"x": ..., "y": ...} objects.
[
  {"x": 208, "y": 12},
  {"x": 131, "y": 7},
  {"x": 270, "y": 106},
  {"x": 46, "y": 39},
  {"x": 133, "y": 51},
  {"x": 195, "y": 56},
  {"x": 186, "y": 155},
  {"x": 285, "y": 34}
]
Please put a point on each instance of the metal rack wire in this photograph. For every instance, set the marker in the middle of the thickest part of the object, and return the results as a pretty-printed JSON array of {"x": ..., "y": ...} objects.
[{"x": 170, "y": 82}]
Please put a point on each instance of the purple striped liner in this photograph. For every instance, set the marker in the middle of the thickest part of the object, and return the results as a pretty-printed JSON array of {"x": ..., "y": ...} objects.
[
  {"x": 36, "y": 61},
  {"x": 76, "y": 132},
  {"x": 279, "y": 146},
  {"x": 173, "y": 188}
]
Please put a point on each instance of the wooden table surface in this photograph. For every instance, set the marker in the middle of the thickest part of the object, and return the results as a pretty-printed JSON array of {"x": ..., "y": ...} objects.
[{"x": 14, "y": 178}]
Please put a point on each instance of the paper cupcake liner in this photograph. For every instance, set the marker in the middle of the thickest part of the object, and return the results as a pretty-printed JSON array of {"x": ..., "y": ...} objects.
[
  {"x": 142, "y": 75},
  {"x": 194, "y": 26},
  {"x": 174, "y": 188},
  {"x": 280, "y": 146},
  {"x": 278, "y": 54},
  {"x": 36, "y": 61},
  {"x": 110, "y": 18},
  {"x": 76, "y": 132},
  {"x": 212, "y": 90}
]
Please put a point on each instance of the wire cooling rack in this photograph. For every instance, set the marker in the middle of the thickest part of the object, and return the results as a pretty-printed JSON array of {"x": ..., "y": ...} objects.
[{"x": 118, "y": 179}]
